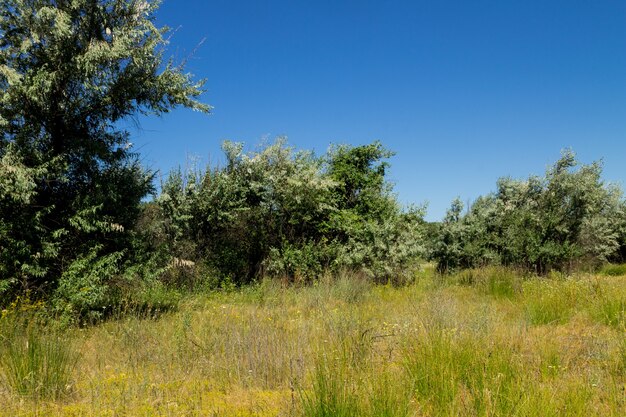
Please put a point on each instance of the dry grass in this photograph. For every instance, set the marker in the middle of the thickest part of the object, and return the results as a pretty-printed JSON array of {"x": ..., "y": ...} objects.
[{"x": 526, "y": 348}]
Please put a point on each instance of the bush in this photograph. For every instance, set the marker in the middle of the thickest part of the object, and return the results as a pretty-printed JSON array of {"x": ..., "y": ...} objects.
[
  {"x": 96, "y": 286},
  {"x": 288, "y": 214},
  {"x": 86, "y": 290},
  {"x": 568, "y": 219}
]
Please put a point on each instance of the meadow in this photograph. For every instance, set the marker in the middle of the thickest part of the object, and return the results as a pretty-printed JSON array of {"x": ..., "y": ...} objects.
[{"x": 485, "y": 342}]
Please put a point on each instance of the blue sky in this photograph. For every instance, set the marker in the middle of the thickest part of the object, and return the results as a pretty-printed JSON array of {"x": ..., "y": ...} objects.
[{"x": 463, "y": 91}]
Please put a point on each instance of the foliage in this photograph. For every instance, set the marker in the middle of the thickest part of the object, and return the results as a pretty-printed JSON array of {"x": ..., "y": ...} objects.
[
  {"x": 288, "y": 214},
  {"x": 70, "y": 72},
  {"x": 567, "y": 219}
]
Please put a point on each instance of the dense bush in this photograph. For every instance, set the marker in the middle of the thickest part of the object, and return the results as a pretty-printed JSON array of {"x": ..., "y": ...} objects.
[
  {"x": 290, "y": 214},
  {"x": 567, "y": 219}
]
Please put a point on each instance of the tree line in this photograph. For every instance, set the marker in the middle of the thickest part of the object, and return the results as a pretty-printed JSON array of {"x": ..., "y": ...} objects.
[
  {"x": 77, "y": 229},
  {"x": 565, "y": 220}
]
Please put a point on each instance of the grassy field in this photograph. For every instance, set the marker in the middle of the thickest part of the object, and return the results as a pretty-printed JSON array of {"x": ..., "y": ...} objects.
[{"x": 481, "y": 343}]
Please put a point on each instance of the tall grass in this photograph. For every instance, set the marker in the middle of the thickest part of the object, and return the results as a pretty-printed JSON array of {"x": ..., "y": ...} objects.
[
  {"x": 333, "y": 393},
  {"x": 493, "y": 280},
  {"x": 349, "y": 348},
  {"x": 456, "y": 374},
  {"x": 613, "y": 270},
  {"x": 548, "y": 301},
  {"x": 608, "y": 305},
  {"x": 36, "y": 363}
]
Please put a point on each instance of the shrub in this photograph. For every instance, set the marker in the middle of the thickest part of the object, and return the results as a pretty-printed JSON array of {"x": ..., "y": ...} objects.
[
  {"x": 86, "y": 290},
  {"x": 289, "y": 214},
  {"x": 567, "y": 219}
]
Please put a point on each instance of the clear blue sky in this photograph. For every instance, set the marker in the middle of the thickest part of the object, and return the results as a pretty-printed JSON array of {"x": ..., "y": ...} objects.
[{"x": 463, "y": 91}]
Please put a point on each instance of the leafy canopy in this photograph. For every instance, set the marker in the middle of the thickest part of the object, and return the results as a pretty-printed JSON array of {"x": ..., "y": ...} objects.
[
  {"x": 568, "y": 218},
  {"x": 70, "y": 72},
  {"x": 290, "y": 214}
]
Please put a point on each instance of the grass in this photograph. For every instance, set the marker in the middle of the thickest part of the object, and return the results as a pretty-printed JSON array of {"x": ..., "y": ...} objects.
[
  {"x": 36, "y": 363},
  {"x": 490, "y": 346},
  {"x": 613, "y": 270},
  {"x": 496, "y": 281},
  {"x": 552, "y": 301}
]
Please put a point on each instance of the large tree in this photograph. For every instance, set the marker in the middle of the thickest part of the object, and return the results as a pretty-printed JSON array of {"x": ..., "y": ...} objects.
[{"x": 70, "y": 72}]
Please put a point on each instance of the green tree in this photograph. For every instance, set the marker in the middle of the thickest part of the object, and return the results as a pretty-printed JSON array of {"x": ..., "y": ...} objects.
[
  {"x": 70, "y": 72},
  {"x": 567, "y": 219},
  {"x": 360, "y": 175},
  {"x": 291, "y": 214}
]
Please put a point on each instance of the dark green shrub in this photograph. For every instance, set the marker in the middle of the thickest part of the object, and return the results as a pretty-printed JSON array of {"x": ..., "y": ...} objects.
[{"x": 69, "y": 179}]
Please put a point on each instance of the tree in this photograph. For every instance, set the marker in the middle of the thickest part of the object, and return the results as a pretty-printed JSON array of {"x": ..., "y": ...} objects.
[
  {"x": 294, "y": 215},
  {"x": 567, "y": 219},
  {"x": 360, "y": 175},
  {"x": 70, "y": 72}
]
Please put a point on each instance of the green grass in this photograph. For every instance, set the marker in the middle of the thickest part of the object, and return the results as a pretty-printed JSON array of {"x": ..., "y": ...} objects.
[
  {"x": 332, "y": 393},
  {"x": 495, "y": 281},
  {"x": 342, "y": 347},
  {"x": 551, "y": 302},
  {"x": 613, "y": 270},
  {"x": 36, "y": 363},
  {"x": 608, "y": 305},
  {"x": 455, "y": 373}
]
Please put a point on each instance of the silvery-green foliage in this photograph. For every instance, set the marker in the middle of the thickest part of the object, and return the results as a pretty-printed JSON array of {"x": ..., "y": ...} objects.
[
  {"x": 280, "y": 212},
  {"x": 568, "y": 218},
  {"x": 70, "y": 72},
  {"x": 383, "y": 248},
  {"x": 447, "y": 243}
]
